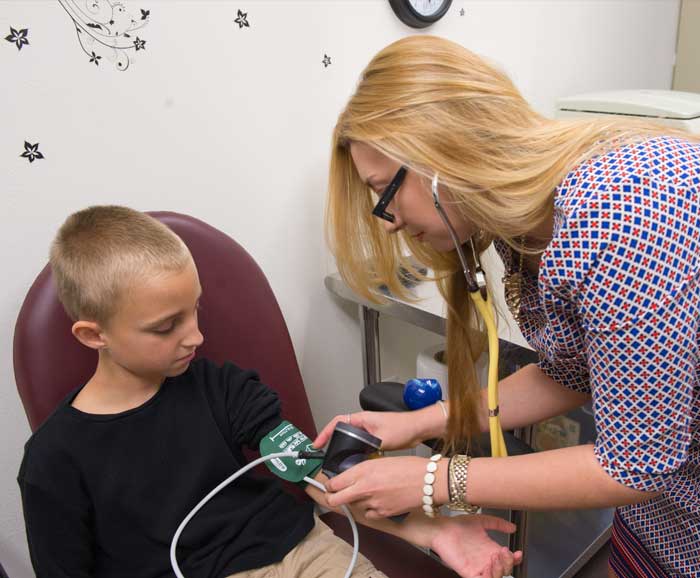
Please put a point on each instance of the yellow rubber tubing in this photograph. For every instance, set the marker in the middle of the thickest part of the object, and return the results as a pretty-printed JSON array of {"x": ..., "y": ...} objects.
[{"x": 498, "y": 443}]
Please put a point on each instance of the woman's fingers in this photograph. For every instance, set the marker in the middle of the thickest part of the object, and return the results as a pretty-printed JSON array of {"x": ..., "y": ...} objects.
[
  {"x": 497, "y": 524},
  {"x": 372, "y": 515},
  {"x": 325, "y": 436},
  {"x": 342, "y": 498},
  {"x": 341, "y": 481},
  {"x": 348, "y": 493},
  {"x": 358, "y": 419},
  {"x": 341, "y": 490}
]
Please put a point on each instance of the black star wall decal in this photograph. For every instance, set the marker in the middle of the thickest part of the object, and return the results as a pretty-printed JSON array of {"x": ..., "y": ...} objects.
[
  {"x": 326, "y": 61},
  {"x": 95, "y": 58},
  {"x": 31, "y": 152},
  {"x": 18, "y": 37},
  {"x": 139, "y": 44},
  {"x": 242, "y": 20}
]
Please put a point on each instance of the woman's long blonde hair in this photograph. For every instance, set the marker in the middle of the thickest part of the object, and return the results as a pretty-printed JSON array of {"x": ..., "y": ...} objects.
[{"x": 434, "y": 106}]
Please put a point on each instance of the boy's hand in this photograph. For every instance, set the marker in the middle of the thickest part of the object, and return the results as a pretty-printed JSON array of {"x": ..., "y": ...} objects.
[
  {"x": 461, "y": 541},
  {"x": 464, "y": 545}
]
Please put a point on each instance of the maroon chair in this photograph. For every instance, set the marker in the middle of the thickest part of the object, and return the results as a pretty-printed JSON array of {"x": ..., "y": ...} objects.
[{"x": 241, "y": 321}]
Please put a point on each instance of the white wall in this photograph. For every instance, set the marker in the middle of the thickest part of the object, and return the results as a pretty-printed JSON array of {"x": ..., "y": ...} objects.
[{"x": 233, "y": 126}]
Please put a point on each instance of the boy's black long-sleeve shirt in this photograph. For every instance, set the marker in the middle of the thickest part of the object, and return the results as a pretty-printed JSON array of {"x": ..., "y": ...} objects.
[{"x": 104, "y": 494}]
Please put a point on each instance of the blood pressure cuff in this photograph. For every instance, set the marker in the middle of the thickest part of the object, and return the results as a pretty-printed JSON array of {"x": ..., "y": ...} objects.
[{"x": 286, "y": 437}]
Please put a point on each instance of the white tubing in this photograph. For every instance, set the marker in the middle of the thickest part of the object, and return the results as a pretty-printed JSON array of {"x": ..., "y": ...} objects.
[
  {"x": 231, "y": 478},
  {"x": 355, "y": 537}
]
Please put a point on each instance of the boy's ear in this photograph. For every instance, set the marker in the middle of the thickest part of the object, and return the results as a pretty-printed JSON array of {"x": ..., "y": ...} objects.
[{"x": 89, "y": 333}]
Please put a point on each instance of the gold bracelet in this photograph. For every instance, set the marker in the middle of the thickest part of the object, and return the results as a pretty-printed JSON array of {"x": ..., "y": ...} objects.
[{"x": 458, "y": 470}]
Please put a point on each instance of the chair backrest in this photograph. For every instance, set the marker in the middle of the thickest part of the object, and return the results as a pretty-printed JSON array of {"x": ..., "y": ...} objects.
[{"x": 240, "y": 319}]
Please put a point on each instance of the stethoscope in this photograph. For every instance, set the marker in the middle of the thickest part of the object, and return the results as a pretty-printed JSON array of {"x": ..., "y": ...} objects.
[{"x": 476, "y": 284}]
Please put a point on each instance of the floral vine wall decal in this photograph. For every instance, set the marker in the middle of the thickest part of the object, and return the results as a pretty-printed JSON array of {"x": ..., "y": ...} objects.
[{"x": 105, "y": 28}]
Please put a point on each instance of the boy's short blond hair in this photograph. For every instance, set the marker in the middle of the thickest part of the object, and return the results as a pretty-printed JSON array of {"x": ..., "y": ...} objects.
[{"x": 99, "y": 251}]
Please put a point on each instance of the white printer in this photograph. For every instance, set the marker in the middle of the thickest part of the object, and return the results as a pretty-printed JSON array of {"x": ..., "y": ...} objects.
[{"x": 670, "y": 107}]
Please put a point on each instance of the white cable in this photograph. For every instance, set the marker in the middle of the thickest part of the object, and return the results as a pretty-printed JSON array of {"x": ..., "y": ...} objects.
[
  {"x": 355, "y": 537},
  {"x": 231, "y": 478}
]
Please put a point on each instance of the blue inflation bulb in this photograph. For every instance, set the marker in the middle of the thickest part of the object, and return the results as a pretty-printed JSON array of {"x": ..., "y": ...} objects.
[{"x": 418, "y": 393}]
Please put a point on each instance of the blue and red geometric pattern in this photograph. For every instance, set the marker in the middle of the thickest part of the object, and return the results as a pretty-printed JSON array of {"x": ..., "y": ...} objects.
[
  {"x": 615, "y": 311},
  {"x": 628, "y": 556}
]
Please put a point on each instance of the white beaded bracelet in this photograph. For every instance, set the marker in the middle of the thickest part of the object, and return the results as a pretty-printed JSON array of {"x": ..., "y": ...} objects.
[{"x": 428, "y": 503}]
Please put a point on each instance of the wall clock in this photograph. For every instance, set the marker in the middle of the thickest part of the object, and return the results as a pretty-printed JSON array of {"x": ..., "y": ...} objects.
[{"x": 420, "y": 13}]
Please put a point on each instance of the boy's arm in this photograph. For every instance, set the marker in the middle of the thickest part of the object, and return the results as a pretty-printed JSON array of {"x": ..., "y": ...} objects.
[
  {"x": 461, "y": 542},
  {"x": 59, "y": 534},
  {"x": 252, "y": 408}
]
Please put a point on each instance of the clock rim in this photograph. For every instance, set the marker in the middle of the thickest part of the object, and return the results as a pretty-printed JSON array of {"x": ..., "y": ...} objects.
[{"x": 408, "y": 15}]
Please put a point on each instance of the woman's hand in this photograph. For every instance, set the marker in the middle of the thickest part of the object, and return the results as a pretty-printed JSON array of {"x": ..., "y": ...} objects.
[
  {"x": 383, "y": 487},
  {"x": 463, "y": 544},
  {"x": 397, "y": 430}
]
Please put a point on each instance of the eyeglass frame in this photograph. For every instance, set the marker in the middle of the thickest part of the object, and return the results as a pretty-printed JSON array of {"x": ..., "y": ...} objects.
[{"x": 387, "y": 196}]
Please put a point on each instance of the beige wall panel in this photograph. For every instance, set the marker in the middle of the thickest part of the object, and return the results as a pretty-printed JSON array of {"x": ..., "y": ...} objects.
[{"x": 687, "y": 71}]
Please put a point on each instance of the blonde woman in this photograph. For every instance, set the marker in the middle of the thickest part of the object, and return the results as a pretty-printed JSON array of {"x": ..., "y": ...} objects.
[{"x": 597, "y": 225}]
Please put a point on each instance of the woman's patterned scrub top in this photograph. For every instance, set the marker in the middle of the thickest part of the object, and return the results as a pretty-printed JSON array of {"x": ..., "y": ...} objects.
[{"x": 615, "y": 312}]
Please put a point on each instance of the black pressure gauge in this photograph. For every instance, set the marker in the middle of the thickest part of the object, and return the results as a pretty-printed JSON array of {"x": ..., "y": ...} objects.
[
  {"x": 348, "y": 447},
  {"x": 420, "y": 13}
]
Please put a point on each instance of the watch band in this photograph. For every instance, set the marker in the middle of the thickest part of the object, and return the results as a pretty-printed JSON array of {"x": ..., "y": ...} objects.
[{"x": 458, "y": 472}]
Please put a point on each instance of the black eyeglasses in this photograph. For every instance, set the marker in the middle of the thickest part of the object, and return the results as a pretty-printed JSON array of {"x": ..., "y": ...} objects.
[{"x": 388, "y": 194}]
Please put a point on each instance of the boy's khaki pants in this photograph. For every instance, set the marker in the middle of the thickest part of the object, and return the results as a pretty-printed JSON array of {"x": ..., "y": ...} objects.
[{"x": 320, "y": 555}]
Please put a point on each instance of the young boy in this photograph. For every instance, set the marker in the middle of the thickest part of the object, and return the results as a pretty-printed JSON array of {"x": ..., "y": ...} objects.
[{"x": 107, "y": 479}]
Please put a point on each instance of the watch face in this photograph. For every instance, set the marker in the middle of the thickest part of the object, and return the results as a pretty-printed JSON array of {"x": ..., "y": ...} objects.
[{"x": 426, "y": 7}]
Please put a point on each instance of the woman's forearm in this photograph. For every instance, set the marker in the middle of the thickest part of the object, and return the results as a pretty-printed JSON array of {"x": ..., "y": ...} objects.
[
  {"x": 566, "y": 478},
  {"x": 525, "y": 397},
  {"x": 429, "y": 422},
  {"x": 529, "y": 396}
]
